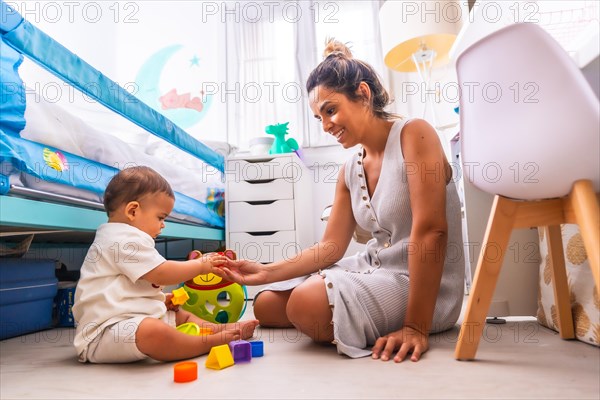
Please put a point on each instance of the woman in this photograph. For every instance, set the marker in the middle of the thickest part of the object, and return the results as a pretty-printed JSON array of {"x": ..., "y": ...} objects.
[{"x": 398, "y": 186}]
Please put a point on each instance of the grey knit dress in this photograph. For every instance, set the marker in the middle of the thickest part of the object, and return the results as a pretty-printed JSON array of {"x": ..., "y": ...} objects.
[{"x": 368, "y": 292}]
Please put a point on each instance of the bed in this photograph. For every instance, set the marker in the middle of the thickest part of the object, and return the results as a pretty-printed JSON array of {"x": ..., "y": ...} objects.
[{"x": 54, "y": 166}]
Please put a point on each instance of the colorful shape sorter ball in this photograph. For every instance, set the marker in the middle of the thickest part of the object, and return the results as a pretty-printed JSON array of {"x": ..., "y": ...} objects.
[{"x": 212, "y": 298}]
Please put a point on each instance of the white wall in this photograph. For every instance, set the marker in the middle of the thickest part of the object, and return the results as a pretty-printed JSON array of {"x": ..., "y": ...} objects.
[{"x": 121, "y": 38}]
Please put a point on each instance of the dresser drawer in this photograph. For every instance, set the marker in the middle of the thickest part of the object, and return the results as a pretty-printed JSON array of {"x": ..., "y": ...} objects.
[
  {"x": 276, "y": 189},
  {"x": 261, "y": 169},
  {"x": 273, "y": 216},
  {"x": 264, "y": 248}
]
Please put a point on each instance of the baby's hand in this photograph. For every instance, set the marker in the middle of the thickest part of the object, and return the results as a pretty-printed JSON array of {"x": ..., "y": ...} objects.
[
  {"x": 169, "y": 302},
  {"x": 217, "y": 260}
]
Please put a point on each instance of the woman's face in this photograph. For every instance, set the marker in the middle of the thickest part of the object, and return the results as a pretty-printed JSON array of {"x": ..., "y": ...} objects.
[{"x": 341, "y": 117}]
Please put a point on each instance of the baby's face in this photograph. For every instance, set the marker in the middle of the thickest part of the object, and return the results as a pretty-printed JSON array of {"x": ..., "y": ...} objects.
[{"x": 150, "y": 215}]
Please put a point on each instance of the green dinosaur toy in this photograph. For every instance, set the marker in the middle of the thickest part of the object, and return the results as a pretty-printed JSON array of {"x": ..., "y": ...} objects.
[{"x": 280, "y": 145}]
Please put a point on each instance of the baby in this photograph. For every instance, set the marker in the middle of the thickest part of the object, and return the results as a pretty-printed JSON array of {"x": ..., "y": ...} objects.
[{"x": 121, "y": 312}]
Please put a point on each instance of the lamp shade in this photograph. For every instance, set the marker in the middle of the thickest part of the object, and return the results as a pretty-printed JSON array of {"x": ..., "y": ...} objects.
[{"x": 407, "y": 27}]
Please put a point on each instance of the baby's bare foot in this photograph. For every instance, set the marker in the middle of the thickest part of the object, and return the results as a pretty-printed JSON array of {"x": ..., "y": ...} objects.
[
  {"x": 227, "y": 335},
  {"x": 247, "y": 328},
  {"x": 207, "y": 342}
]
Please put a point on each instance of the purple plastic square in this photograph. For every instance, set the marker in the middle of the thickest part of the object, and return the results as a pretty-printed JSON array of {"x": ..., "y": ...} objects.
[{"x": 241, "y": 350}]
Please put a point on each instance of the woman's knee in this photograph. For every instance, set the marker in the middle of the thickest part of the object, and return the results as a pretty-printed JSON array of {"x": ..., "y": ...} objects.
[
  {"x": 269, "y": 309},
  {"x": 308, "y": 309},
  {"x": 307, "y": 297}
]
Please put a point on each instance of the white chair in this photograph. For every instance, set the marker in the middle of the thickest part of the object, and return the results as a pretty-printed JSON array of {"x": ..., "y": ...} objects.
[{"x": 530, "y": 136}]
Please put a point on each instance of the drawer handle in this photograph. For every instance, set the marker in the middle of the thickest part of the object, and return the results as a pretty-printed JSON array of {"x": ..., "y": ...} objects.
[
  {"x": 258, "y": 203},
  {"x": 268, "y": 233},
  {"x": 259, "y": 160},
  {"x": 260, "y": 181}
]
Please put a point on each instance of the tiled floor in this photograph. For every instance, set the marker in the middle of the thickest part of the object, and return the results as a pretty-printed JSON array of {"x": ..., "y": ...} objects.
[{"x": 518, "y": 360}]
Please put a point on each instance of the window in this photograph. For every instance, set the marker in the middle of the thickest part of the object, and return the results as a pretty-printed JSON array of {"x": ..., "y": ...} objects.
[
  {"x": 270, "y": 53},
  {"x": 261, "y": 88}
]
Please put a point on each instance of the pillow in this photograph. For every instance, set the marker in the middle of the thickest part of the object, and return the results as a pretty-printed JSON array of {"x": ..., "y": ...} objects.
[
  {"x": 159, "y": 147},
  {"x": 585, "y": 303},
  {"x": 222, "y": 148}
]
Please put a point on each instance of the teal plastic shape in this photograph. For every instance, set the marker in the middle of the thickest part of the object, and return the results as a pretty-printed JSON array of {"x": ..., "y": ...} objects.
[{"x": 281, "y": 145}]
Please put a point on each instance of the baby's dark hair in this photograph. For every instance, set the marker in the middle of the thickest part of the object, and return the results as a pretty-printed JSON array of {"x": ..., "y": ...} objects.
[
  {"x": 342, "y": 73},
  {"x": 133, "y": 183}
]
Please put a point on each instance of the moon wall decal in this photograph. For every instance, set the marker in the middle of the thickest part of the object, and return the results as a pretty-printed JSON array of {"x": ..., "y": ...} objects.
[{"x": 148, "y": 83}]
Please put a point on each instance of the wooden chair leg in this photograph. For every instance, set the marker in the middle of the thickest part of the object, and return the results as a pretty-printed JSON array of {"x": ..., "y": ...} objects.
[
  {"x": 585, "y": 206},
  {"x": 494, "y": 245},
  {"x": 561, "y": 285}
]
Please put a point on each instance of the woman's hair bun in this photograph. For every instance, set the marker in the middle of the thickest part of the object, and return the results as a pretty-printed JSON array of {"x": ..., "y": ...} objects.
[{"x": 333, "y": 46}]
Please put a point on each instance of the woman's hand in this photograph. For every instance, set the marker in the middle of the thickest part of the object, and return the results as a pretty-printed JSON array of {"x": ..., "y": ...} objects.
[
  {"x": 406, "y": 340},
  {"x": 243, "y": 272}
]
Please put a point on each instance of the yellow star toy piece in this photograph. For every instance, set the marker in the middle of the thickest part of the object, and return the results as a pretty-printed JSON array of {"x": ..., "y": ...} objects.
[{"x": 180, "y": 296}]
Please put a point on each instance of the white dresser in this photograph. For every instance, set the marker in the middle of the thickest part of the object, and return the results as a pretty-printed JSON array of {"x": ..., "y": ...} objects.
[{"x": 268, "y": 207}]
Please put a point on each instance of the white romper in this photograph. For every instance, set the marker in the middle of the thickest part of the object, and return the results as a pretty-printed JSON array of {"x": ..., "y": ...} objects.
[{"x": 368, "y": 292}]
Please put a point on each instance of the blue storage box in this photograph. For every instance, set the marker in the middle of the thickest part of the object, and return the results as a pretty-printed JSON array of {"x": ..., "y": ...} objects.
[
  {"x": 65, "y": 299},
  {"x": 27, "y": 290}
]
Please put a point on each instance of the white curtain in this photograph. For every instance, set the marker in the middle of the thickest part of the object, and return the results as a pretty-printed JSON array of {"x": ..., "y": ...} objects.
[{"x": 271, "y": 53}]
